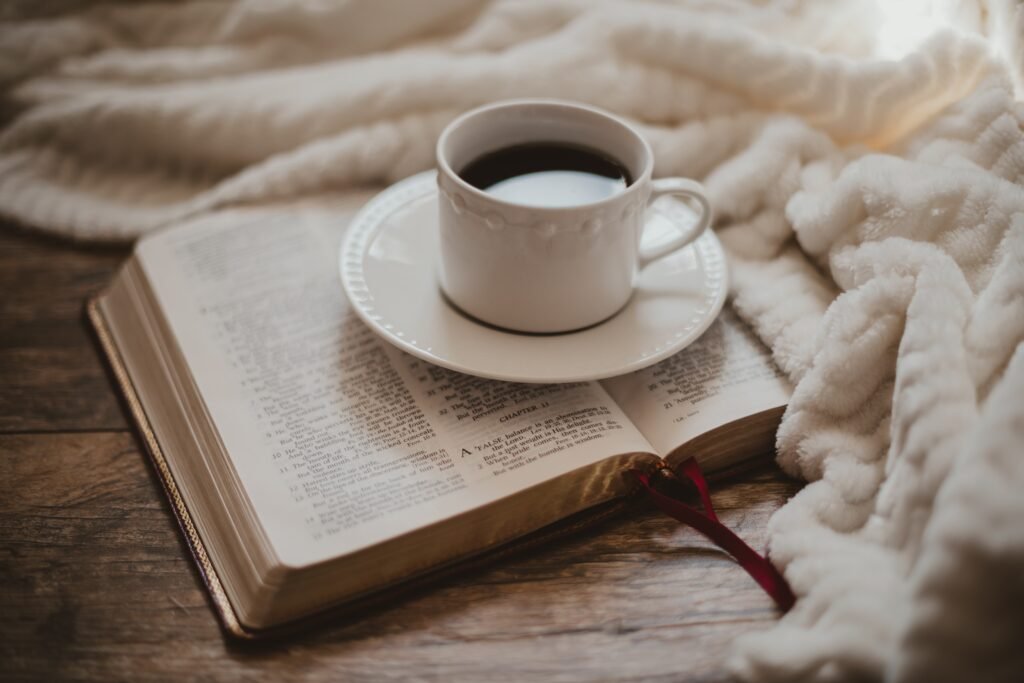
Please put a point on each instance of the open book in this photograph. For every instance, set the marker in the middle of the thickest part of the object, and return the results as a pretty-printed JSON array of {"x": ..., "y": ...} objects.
[{"x": 311, "y": 463}]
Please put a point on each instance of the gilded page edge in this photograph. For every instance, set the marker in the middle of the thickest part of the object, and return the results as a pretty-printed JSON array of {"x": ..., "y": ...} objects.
[{"x": 225, "y": 611}]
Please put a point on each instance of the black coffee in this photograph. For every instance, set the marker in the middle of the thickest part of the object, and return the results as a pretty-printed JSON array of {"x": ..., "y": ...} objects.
[{"x": 549, "y": 174}]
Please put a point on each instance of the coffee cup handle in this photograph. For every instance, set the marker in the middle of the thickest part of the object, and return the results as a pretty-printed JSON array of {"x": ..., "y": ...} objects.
[{"x": 680, "y": 187}]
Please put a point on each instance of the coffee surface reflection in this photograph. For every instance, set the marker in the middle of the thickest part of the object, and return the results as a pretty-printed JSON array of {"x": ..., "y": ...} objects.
[{"x": 547, "y": 174}]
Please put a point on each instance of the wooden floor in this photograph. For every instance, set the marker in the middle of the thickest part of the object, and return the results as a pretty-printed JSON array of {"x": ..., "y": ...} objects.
[{"x": 95, "y": 582}]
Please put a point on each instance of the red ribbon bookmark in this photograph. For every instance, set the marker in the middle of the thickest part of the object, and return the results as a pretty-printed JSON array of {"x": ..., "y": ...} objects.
[{"x": 759, "y": 568}]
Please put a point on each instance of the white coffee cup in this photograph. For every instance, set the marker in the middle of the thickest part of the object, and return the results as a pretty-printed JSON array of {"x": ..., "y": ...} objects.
[{"x": 540, "y": 269}]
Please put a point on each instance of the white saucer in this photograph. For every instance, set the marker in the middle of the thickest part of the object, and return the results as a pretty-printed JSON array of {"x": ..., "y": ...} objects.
[{"x": 389, "y": 262}]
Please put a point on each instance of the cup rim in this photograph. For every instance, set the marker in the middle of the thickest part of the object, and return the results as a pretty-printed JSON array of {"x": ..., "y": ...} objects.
[{"x": 442, "y": 163}]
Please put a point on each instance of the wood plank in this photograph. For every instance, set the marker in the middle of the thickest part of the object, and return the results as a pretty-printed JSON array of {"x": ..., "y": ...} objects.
[
  {"x": 97, "y": 586},
  {"x": 52, "y": 376}
]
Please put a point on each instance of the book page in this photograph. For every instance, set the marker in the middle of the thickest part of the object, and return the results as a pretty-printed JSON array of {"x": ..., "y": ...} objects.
[
  {"x": 340, "y": 439},
  {"x": 725, "y": 375}
]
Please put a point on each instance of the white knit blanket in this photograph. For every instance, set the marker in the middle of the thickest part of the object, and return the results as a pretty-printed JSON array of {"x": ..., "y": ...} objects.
[{"x": 873, "y": 210}]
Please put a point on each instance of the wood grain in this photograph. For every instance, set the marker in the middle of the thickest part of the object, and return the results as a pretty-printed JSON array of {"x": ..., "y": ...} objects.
[
  {"x": 97, "y": 585},
  {"x": 51, "y": 377}
]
